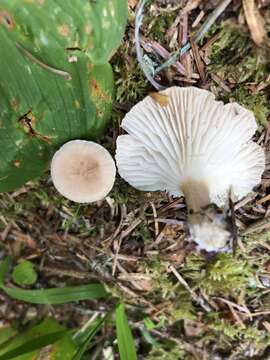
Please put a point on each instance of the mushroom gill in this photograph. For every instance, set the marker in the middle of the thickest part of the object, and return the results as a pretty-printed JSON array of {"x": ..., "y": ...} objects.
[{"x": 192, "y": 146}]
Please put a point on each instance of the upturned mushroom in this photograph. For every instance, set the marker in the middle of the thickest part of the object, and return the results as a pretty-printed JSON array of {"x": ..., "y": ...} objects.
[
  {"x": 83, "y": 171},
  {"x": 183, "y": 141}
]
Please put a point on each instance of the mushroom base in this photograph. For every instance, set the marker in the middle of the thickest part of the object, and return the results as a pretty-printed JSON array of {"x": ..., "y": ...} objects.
[{"x": 209, "y": 226}]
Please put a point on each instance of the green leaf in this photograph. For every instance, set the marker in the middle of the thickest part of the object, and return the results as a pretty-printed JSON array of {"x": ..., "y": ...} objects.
[
  {"x": 108, "y": 19},
  {"x": 83, "y": 337},
  {"x": 27, "y": 345},
  {"x": 24, "y": 273},
  {"x": 94, "y": 27},
  {"x": 6, "y": 332},
  {"x": 50, "y": 90},
  {"x": 58, "y": 295},
  {"x": 125, "y": 339},
  {"x": 52, "y": 296},
  {"x": 56, "y": 110}
]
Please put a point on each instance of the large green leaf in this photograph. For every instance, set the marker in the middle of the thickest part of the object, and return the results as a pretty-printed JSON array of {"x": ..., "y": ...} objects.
[
  {"x": 60, "y": 109},
  {"x": 54, "y": 69},
  {"x": 95, "y": 27},
  {"x": 6, "y": 332}
]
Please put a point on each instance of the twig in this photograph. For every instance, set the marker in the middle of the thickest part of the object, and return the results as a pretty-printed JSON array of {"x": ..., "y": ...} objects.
[
  {"x": 257, "y": 226},
  {"x": 123, "y": 234},
  {"x": 202, "y": 31},
  {"x": 194, "y": 296}
]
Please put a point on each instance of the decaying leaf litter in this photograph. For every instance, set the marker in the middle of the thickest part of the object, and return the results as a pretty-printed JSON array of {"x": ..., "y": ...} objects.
[{"x": 203, "y": 305}]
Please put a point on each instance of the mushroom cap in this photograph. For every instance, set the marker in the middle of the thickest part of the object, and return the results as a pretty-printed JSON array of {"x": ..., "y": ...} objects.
[
  {"x": 184, "y": 134},
  {"x": 83, "y": 171}
]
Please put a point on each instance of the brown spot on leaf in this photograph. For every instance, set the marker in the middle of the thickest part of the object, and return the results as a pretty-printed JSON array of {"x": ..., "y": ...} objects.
[
  {"x": 28, "y": 121},
  {"x": 99, "y": 112},
  {"x": 90, "y": 67},
  {"x": 77, "y": 104},
  {"x": 161, "y": 99},
  {"x": 14, "y": 104},
  {"x": 17, "y": 163},
  {"x": 7, "y": 20},
  {"x": 97, "y": 91},
  {"x": 88, "y": 29},
  {"x": 64, "y": 30}
]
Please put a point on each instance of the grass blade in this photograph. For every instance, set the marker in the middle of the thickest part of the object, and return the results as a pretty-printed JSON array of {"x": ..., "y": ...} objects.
[
  {"x": 30, "y": 346},
  {"x": 58, "y": 295},
  {"x": 90, "y": 333},
  {"x": 6, "y": 333},
  {"x": 125, "y": 339},
  {"x": 51, "y": 296}
]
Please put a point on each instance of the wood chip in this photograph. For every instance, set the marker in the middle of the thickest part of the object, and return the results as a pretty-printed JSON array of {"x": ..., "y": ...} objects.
[
  {"x": 198, "y": 19},
  {"x": 198, "y": 59},
  {"x": 264, "y": 199},
  {"x": 221, "y": 83},
  {"x": 266, "y": 324},
  {"x": 191, "y": 5},
  {"x": 255, "y": 21}
]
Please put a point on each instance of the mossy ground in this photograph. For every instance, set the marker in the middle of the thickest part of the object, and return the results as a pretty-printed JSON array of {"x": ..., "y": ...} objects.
[{"x": 136, "y": 242}]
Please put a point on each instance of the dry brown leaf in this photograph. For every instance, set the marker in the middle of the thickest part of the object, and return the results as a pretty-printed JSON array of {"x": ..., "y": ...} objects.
[
  {"x": 255, "y": 21},
  {"x": 161, "y": 99}
]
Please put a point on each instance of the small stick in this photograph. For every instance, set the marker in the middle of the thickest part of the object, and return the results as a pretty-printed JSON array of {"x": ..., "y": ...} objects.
[
  {"x": 257, "y": 226},
  {"x": 194, "y": 296},
  {"x": 202, "y": 31},
  {"x": 198, "y": 60}
]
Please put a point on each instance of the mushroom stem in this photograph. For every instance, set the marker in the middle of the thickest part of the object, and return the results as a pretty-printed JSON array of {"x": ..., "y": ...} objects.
[{"x": 196, "y": 194}]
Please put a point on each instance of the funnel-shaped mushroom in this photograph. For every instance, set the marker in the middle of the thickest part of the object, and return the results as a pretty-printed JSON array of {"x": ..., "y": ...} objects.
[
  {"x": 83, "y": 171},
  {"x": 185, "y": 142}
]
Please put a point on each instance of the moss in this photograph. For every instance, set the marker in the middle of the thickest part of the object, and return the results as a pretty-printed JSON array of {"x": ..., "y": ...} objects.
[
  {"x": 130, "y": 82},
  {"x": 232, "y": 44},
  {"x": 258, "y": 103},
  {"x": 156, "y": 26},
  {"x": 175, "y": 353},
  {"x": 249, "y": 336},
  {"x": 237, "y": 61},
  {"x": 227, "y": 275},
  {"x": 223, "y": 275}
]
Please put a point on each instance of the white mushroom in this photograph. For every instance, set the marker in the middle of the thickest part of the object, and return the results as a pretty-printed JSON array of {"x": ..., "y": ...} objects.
[
  {"x": 185, "y": 142},
  {"x": 83, "y": 171}
]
